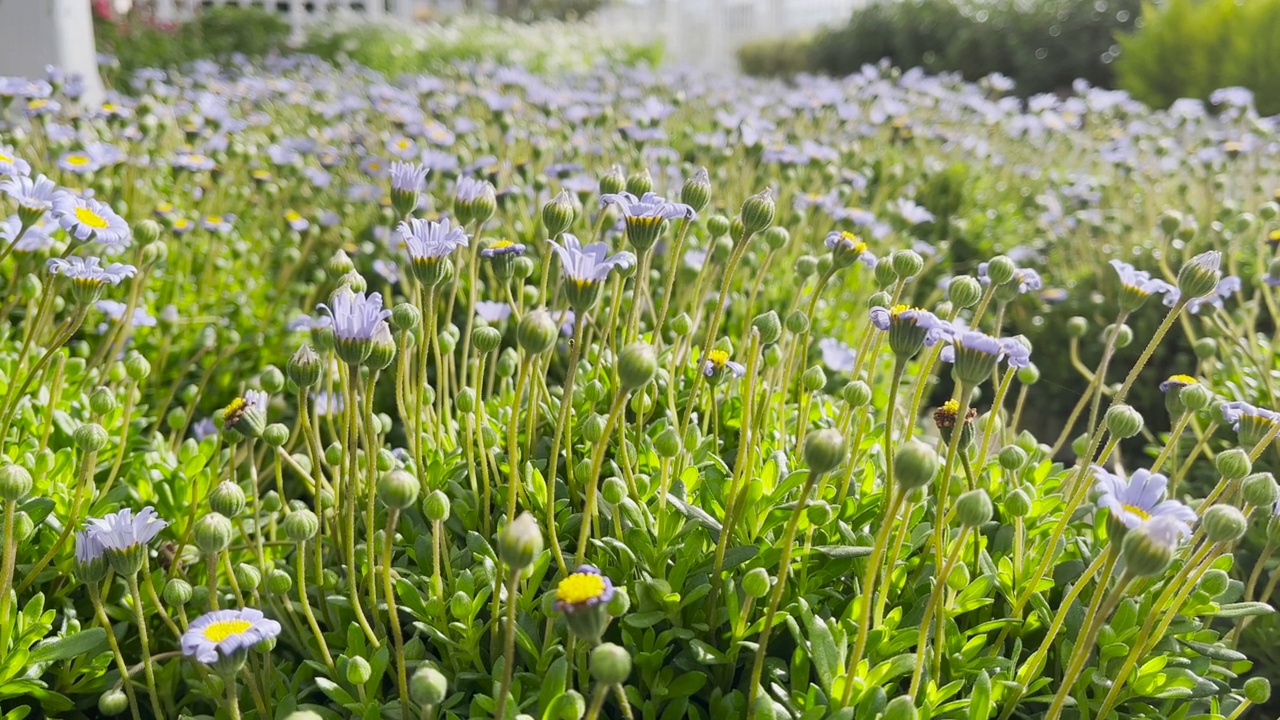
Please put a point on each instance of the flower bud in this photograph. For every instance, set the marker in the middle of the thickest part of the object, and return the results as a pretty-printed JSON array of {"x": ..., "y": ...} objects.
[
  {"x": 1170, "y": 221},
  {"x": 227, "y": 498},
  {"x": 23, "y": 526},
  {"x": 15, "y": 483},
  {"x": 718, "y": 226},
  {"x": 301, "y": 525},
  {"x": 640, "y": 182},
  {"x": 147, "y": 231},
  {"x": 520, "y": 542},
  {"x": 248, "y": 577},
  {"x": 1120, "y": 334},
  {"x": 1017, "y": 503},
  {"x": 964, "y": 291},
  {"x": 212, "y": 533},
  {"x": 1214, "y": 582},
  {"x": 91, "y": 437},
  {"x": 857, "y": 393},
  {"x": 797, "y": 322},
  {"x": 1233, "y": 464},
  {"x": 610, "y": 664},
  {"x": 405, "y": 316},
  {"x": 614, "y": 491},
  {"x": 907, "y": 263},
  {"x": 428, "y": 687},
  {"x": 1001, "y": 269},
  {"x": 1144, "y": 555},
  {"x": 1123, "y": 421},
  {"x": 276, "y": 434},
  {"x": 1077, "y": 327},
  {"x": 813, "y": 379},
  {"x": 768, "y": 326},
  {"x": 398, "y": 489},
  {"x": 486, "y": 339},
  {"x": 914, "y": 465},
  {"x": 1205, "y": 348},
  {"x": 537, "y": 332},
  {"x": 776, "y": 237},
  {"x": 102, "y": 402},
  {"x": 1223, "y": 524},
  {"x": 1199, "y": 276},
  {"x": 696, "y": 192},
  {"x": 593, "y": 428},
  {"x": 333, "y": 454},
  {"x": 757, "y": 211},
  {"x": 824, "y": 450},
  {"x": 756, "y": 582},
  {"x": 637, "y": 364},
  {"x": 901, "y": 707},
  {"x": 1012, "y": 457},
  {"x": 557, "y": 214},
  {"x": 279, "y": 582},
  {"x": 304, "y": 367},
  {"x": 137, "y": 367},
  {"x": 1257, "y": 690},
  {"x": 113, "y": 702},
  {"x": 973, "y": 508},
  {"x": 667, "y": 444},
  {"x": 806, "y": 265},
  {"x": 1195, "y": 397},
  {"x": 1029, "y": 374},
  {"x": 681, "y": 324},
  {"x": 621, "y": 601},
  {"x": 1260, "y": 490},
  {"x": 177, "y": 592},
  {"x": 358, "y": 670},
  {"x": 885, "y": 275},
  {"x": 437, "y": 506}
]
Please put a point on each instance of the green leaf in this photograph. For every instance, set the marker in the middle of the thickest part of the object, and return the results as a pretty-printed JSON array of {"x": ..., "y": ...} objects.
[
  {"x": 822, "y": 647},
  {"x": 980, "y": 700},
  {"x": 84, "y": 643},
  {"x": 1243, "y": 609},
  {"x": 553, "y": 683},
  {"x": 843, "y": 551},
  {"x": 334, "y": 691}
]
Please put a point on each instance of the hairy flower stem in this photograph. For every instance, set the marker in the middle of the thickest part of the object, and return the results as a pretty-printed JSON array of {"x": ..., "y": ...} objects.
[
  {"x": 84, "y": 478},
  {"x": 867, "y": 587},
  {"x": 714, "y": 325},
  {"x": 589, "y": 509},
  {"x": 136, "y": 594},
  {"x": 397, "y": 635},
  {"x": 1093, "y": 622},
  {"x": 351, "y": 496},
  {"x": 300, "y": 562},
  {"x": 509, "y": 644},
  {"x": 671, "y": 273},
  {"x": 931, "y": 606},
  {"x": 784, "y": 566},
  {"x": 513, "y": 456},
  {"x": 563, "y": 433},
  {"x": 123, "y": 667},
  {"x": 1172, "y": 442},
  {"x": 6, "y": 573},
  {"x": 964, "y": 391}
]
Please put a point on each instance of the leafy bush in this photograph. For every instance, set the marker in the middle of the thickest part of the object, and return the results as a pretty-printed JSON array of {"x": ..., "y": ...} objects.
[
  {"x": 1189, "y": 48},
  {"x": 138, "y": 41},
  {"x": 1043, "y": 46},
  {"x": 777, "y": 57}
]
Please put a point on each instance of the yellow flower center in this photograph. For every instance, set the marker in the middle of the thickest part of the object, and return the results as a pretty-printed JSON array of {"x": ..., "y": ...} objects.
[
  {"x": 77, "y": 160},
  {"x": 1274, "y": 236},
  {"x": 951, "y": 406},
  {"x": 375, "y": 167},
  {"x": 5, "y": 158},
  {"x": 37, "y": 104},
  {"x": 261, "y": 175},
  {"x": 1234, "y": 146},
  {"x": 403, "y": 144},
  {"x": 234, "y": 406},
  {"x": 579, "y": 588},
  {"x": 164, "y": 207},
  {"x": 718, "y": 357},
  {"x": 181, "y": 223},
  {"x": 1182, "y": 379},
  {"x": 213, "y": 219},
  {"x": 223, "y": 629},
  {"x": 108, "y": 107},
  {"x": 1143, "y": 514},
  {"x": 90, "y": 218},
  {"x": 500, "y": 244},
  {"x": 293, "y": 216}
]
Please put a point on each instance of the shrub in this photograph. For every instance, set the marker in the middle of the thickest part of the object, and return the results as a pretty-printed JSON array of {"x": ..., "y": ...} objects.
[
  {"x": 777, "y": 57},
  {"x": 138, "y": 41},
  {"x": 1189, "y": 48}
]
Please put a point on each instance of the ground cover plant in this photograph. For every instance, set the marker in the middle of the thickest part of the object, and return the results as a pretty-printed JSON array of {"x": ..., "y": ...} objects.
[{"x": 628, "y": 393}]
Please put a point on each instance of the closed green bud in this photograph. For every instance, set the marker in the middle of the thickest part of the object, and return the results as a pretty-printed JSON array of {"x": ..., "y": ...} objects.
[
  {"x": 776, "y": 237},
  {"x": 901, "y": 707},
  {"x": 1123, "y": 421},
  {"x": 797, "y": 322},
  {"x": 1233, "y": 464},
  {"x": 23, "y": 526},
  {"x": 1001, "y": 269},
  {"x": 301, "y": 525},
  {"x": 248, "y": 577},
  {"x": 613, "y": 181},
  {"x": 1029, "y": 374},
  {"x": 1120, "y": 334},
  {"x": 486, "y": 339},
  {"x": 593, "y": 428},
  {"x": 213, "y": 533},
  {"x": 1257, "y": 690},
  {"x": 398, "y": 489},
  {"x": 405, "y": 316},
  {"x": 973, "y": 508},
  {"x": 1195, "y": 397},
  {"x": 436, "y": 506},
  {"x": 557, "y": 213},
  {"x": 102, "y": 402},
  {"x": 1077, "y": 327},
  {"x": 177, "y": 592},
  {"x": 614, "y": 491},
  {"x": 620, "y": 603},
  {"x": 696, "y": 192},
  {"x": 1017, "y": 503},
  {"x": 681, "y": 324},
  {"x": 537, "y": 332},
  {"x": 1214, "y": 582},
  {"x": 964, "y": 291},
  {"x": 30, "y": 287},
  {"x": 1170, "y": 222},
  {"x": 113, "y": 702},
  {"x": 386, "y": 460},
  {"x": 15, "y": 483},
  {"x": 333, "y": 454},
  {"x": 304, "y": 367},
  {"x": 1268, "y": 211},
  {"x": 1223, "y": 523},
  {"x": 857, "y": 393},
  {"x": 1012, "y": 457},
  {"x": 756, "y": 582},
  {"x": 1199, "y": 276},
  {"x": 358, "y": 670},
  {"x": 757, "y": 211},
  {"x": 880, "y": 299},
  {"x": 271, "y": 379},
  {"x": 814, "y": 379},
  {"x": 667, "y": 444},
  {"x": 1260, "y": 490},
  {"x": 824, "y": 450},
  {"x": 147, "y": 231},
  {"x": 1205, "y": 348},
  {"x": 722, "y": 248},
  {"x": 279, "y": 582},
  {"x": 907, "y": 263},
  {"x": 227, "y": 498},
  {"x": 276, "y": 434},
  {"x": 640, "y": 182},
  {"x": 768, "y": 326},
  {"x": 354, "y": 281},
  {"x": 465, "y": 401},
  {"x": 137, "y": 367},
  {"x": 718, "y": 226},
  {"x": 1145, "y": 555},
  {"x": 637, "y": 364},
  {"x": 885, "y": 275},
  {"x": 805, "y": 266},
  {"x": 428, "y": 687},
  {"x": 91, "y": 437},
  {"x": 915, "y": 464},
  {"x": 520, "y": 542},
  {"x": 610, "y": 664}
]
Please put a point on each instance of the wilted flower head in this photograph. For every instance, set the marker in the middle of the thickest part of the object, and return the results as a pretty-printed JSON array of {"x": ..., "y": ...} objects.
[
  {"x": 88, "y": 219},
  {"x": 501, "y": 248},
  {"x": 247, "y": 413},
  {"x": 1139, "y": 499}
]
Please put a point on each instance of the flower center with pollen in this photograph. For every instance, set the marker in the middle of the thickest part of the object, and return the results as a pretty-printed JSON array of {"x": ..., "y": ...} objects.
[
  {"x": 5, "y": 158},
  {"x": 579, "y": 588},
  {"x": 1182, "y": 380},
  {"x": 718, "y": 357},
  {"x": 1142, "y": 514},
  {"x": 223, "y": 629},
  {"x": 90, "y": 218}
]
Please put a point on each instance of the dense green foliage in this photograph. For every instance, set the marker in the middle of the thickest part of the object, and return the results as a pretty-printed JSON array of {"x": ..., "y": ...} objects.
[
  {"x": 216, "y": 33},
  {"x": 1189, "y": 48}
]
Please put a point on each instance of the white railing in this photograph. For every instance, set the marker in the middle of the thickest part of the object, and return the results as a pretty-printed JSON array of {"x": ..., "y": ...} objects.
[{"x": 300, "y": 13}]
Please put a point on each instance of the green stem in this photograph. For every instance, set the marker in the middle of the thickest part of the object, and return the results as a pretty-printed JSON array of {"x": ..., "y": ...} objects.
[
  {"x": 509, "y": 644},
  {"x": 148, "y": 670}
]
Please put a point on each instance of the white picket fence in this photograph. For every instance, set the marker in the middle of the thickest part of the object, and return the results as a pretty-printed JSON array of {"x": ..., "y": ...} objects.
[{"x": 697, "y": 33}]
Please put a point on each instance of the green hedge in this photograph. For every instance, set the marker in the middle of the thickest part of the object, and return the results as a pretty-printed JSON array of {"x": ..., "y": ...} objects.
[
  {"x": 1189, "y": 48},
  {"x": 214, "y": 33}
]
